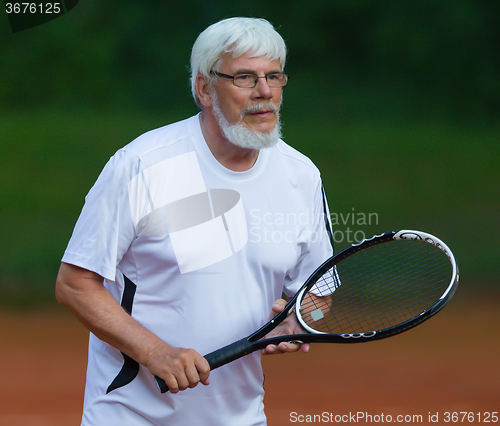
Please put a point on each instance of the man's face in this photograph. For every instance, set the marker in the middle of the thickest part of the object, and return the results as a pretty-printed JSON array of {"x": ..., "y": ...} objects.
[{"x": 234, "y": 100}]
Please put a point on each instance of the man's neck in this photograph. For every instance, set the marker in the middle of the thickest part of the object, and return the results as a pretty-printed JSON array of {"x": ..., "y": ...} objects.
[{"x": 229, "y": 155}]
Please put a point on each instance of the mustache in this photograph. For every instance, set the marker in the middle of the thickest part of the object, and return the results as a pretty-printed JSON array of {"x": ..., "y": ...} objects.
[{"x": 260, "y": 107}]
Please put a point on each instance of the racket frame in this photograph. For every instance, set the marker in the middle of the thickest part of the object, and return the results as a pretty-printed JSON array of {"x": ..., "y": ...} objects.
[{"x": 390, "y": 331}]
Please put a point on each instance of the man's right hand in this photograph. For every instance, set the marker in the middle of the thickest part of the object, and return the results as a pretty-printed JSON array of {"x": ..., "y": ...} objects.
[{"x": 180, "y": 368}]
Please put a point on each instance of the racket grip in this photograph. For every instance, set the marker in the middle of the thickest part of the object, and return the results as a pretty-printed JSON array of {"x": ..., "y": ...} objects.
[
  {"x": 229, "y": 353},
  {"x": 218, "y": 358},
  {"x": 161, "y": 385}
]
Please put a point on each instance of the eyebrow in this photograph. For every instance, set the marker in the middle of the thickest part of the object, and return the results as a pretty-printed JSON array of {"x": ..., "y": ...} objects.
[{"x": 249, "y": 71}]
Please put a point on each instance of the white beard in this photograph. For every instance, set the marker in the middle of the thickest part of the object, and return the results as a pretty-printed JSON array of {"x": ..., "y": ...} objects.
[{"x": 240, "y": 135}]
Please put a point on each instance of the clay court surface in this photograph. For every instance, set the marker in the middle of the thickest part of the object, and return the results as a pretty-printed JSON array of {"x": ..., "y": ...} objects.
[{"x": 449, "y": 364}]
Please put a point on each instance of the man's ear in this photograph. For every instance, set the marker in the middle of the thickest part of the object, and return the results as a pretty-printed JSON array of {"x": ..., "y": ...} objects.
[{"x": 203, "y": 90}]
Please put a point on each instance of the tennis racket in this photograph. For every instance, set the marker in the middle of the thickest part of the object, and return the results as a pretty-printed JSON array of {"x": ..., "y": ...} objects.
[{"x": 371, "y": 290}]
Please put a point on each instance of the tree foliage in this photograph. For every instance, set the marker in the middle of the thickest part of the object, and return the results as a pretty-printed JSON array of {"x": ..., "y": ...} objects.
[{"x": 104, "y": 54}]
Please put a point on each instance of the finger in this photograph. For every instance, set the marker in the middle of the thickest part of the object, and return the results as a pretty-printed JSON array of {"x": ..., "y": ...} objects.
[
  {"x": 277, "y": 307},
  {"x": 282, "y": 348},
  {"x": 197, "y": 372},
  {"x": 172, "y": 384},
  {"x": 286, "y": 347},
  {"x": 203, "y": 369},
  {"x": 192, "y": 376},
  {"x": 183, "y": 381},
  {"x": 184, "y": 369},
  {"x": 269, "y": 349}
]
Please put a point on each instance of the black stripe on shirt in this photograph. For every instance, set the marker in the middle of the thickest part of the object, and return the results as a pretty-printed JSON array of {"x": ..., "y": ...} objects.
[
  {"x": 130, "y": 367},
  {"x": 326, "y": 216}
]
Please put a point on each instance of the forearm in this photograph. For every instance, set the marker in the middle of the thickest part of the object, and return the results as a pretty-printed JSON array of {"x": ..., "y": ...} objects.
[{"x": 83, "y": 293}]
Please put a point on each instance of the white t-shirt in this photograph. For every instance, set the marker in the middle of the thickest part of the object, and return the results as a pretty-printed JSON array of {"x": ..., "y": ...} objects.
[{"x": 198, "y": 254}]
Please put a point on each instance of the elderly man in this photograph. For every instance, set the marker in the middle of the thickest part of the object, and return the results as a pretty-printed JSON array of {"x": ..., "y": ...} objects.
[{"x": 187, "y": 241}]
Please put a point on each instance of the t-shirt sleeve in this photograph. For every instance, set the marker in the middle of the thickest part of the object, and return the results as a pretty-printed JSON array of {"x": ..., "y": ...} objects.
[
  {"x": 316, "y": 243},
  {"x": 105, "y": 228}
]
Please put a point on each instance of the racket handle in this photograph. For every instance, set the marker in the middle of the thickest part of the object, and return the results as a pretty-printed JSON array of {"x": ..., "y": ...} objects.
[
  {"x": 229, "y": 353},
  {"x": 161, "y": 385},
  {"x": 218, "y": 358}
]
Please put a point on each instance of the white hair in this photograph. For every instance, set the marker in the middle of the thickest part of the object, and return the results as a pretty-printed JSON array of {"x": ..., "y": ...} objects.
[{"x": 235, "y": 36}]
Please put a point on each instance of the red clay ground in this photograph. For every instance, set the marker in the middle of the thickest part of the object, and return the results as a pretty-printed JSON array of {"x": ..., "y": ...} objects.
[{"x": 449, "y": 364}]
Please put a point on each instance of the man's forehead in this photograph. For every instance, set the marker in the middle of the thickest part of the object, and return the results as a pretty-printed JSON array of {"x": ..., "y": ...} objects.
[{"x": 249, "y": 62}]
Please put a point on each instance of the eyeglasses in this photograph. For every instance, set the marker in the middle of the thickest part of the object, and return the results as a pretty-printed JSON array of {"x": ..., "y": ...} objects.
[{"x": 277, "y": 79}]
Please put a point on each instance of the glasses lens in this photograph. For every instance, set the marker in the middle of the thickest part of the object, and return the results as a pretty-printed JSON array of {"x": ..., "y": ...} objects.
[
  {"x": 277, "y": 80},
  {"x": 245, "y": 80}
]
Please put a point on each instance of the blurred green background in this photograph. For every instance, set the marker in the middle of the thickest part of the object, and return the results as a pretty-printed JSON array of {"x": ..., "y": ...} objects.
[{"x": 398, "y": 103}]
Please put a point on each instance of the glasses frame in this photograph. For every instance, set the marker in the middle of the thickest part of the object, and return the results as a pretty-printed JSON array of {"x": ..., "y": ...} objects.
[{"x": 231, "y": 77}]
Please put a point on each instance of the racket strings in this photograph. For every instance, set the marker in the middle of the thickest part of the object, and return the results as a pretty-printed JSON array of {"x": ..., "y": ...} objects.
[{"x": 377, "y": 288}]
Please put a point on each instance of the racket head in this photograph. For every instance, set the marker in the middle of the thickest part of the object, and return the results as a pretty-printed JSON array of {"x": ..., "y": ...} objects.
[{"x": 376, "y": 288}]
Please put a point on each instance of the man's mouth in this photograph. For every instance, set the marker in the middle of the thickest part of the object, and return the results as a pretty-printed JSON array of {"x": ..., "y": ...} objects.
[
  {"x": 263, "y": 113},
  {"x": 260, "y": 111}
]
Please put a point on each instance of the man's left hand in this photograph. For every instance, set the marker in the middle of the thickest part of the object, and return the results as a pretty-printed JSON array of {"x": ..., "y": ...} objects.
[{"x": 289, "y": 326}]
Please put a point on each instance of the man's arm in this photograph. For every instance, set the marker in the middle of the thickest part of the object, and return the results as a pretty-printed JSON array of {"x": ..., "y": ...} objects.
[{"x": 82, "y": 292}]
